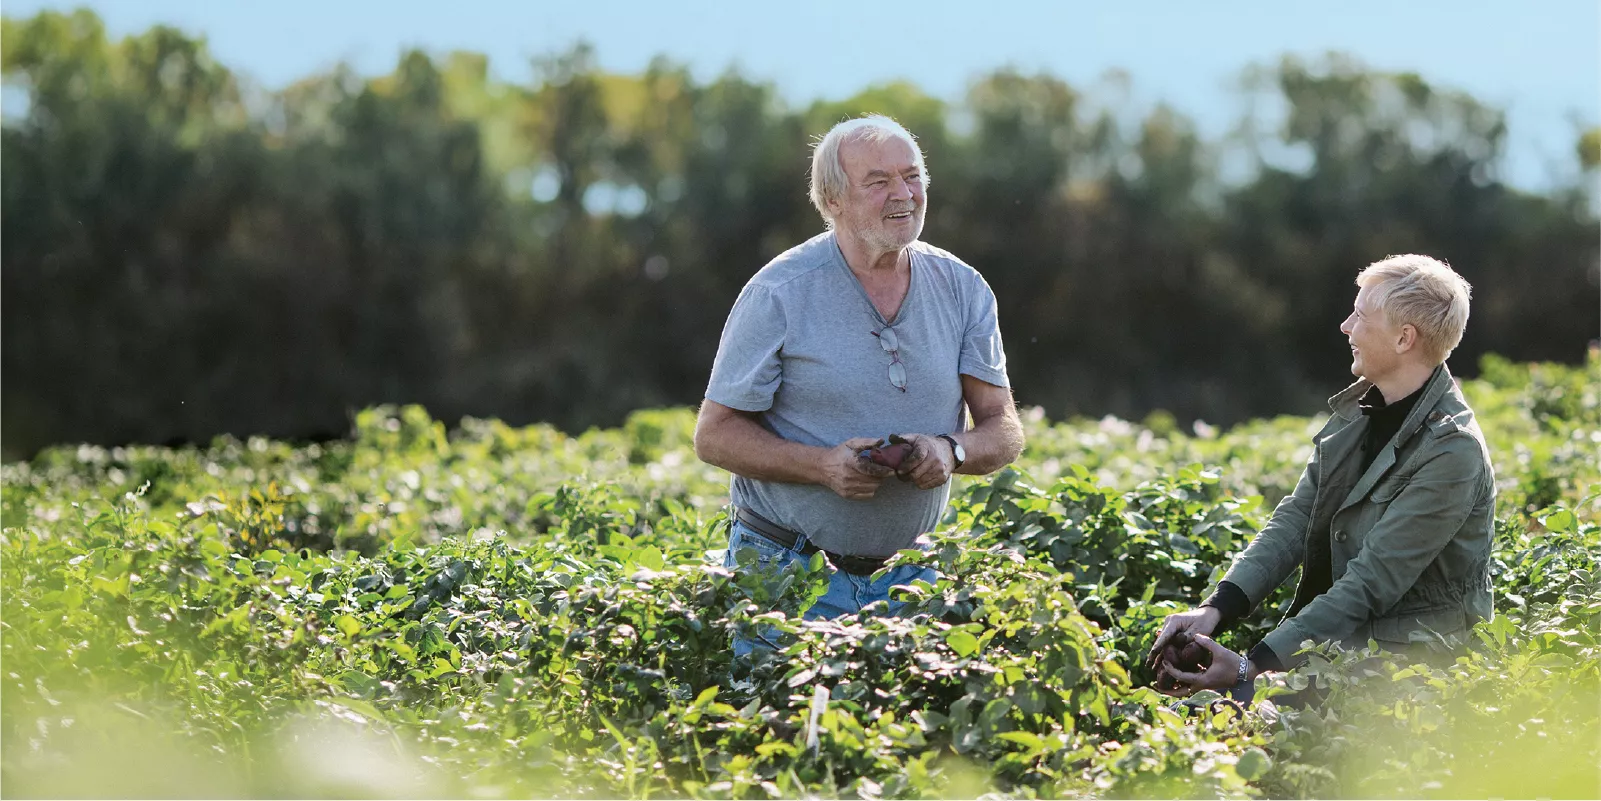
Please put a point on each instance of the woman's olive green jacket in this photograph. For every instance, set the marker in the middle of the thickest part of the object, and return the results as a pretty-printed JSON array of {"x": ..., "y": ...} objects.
[{"x": 1408, "y": 538}]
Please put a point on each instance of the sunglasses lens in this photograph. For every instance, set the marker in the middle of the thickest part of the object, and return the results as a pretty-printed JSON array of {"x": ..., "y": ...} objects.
[
  {"x": 897, "y": 375},
  {"x": 887, "y": 340}
]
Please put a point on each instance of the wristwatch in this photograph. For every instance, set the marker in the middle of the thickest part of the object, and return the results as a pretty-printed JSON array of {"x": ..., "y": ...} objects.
[
  {"x": 1244, "y": 689},
  {"x": 956, "y": 449}
]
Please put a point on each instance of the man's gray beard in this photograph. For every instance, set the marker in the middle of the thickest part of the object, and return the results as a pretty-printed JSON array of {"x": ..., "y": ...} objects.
[{"x": 887, "y": 244}]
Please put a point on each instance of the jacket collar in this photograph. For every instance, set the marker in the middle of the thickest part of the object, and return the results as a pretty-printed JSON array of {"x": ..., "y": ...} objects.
[
  {"x": 1346, "y": 403},
  {"x": 1433, "y": 390}
]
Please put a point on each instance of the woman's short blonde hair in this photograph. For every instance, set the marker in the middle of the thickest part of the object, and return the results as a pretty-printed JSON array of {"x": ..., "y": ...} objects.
[
  {"x": 1425, "y": 293},
  {"x": 828, "y": 174}
]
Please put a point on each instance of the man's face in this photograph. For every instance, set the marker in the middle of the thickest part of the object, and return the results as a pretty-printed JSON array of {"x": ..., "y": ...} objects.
[
  {"x": 883, "y": 202},
  {"x": 1372, "y": 336}
]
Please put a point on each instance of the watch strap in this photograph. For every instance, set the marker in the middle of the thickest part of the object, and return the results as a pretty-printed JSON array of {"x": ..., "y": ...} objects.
[{"x": 956, "y": 449}]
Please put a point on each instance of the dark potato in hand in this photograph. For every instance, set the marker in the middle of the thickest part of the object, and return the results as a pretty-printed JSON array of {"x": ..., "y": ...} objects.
[
  {"x": 1185, "y": 654},
  {"x": 889, "y": 451},
  {"x": 891, "y": 456}
]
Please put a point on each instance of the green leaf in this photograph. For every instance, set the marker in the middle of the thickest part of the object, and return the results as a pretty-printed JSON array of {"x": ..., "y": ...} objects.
[
  {"x": 1560, "y": 522},
  {"x": 1253, "y": 764},
  {"x": 433, "y": 640},
  {"x": 402, "y": 650},
  {"x": 1023, "y": 738},
  {"x": 961, "y": 642},
  {"x": 360, "y": 707},
  {"x": 1030, "y": 699},
  {"x": 776, "y": 748},
  {"x": 115, "y": 587},
  {"x": 649, "y": 558},
  {"x": 348, "y": 625},
  {"x": 1183, "y": 544},
  {"x": 929, "y": 720},
  {"x": 1098, "y": 706},
  {"x": 358, "y": 682}
]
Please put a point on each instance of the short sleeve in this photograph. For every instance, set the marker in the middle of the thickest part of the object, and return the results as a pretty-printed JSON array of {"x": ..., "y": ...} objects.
[
  {"x": 982, "y": 355},
  {"x": 747, "y": 371}
]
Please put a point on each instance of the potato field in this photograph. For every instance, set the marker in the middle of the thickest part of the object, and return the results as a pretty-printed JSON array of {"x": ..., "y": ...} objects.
[{"x": 491, "y": 611}]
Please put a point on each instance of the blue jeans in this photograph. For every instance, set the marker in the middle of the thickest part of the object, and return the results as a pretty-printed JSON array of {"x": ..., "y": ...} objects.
[{"x": 847, "y": 594}]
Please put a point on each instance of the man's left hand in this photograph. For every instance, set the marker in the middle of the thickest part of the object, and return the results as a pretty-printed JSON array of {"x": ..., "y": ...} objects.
[
  {"x": 1220, "y": 675},
  {"x": 931, "y": 462}
]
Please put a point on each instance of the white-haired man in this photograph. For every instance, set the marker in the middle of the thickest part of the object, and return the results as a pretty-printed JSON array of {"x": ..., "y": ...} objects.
[
  {"x": 860, "y": 331},
  {"x": 1392, "y": 519}
]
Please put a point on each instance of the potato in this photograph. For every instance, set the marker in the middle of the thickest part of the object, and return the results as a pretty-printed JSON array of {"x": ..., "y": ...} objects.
[
  {"x": 891, "y": 456},
  {"x": 1185, "y": 654}
]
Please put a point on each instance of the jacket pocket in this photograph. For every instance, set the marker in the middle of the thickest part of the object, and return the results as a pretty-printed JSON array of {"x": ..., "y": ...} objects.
[
  {"x": 1445, "y": 625},
  {"x": 1388, "y": 489}
]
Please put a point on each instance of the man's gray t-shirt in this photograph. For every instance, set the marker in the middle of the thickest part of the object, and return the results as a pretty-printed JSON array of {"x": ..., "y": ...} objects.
[{"x": 800, "y": 348}]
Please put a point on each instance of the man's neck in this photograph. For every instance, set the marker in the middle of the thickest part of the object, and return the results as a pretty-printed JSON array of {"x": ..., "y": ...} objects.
[
  {"x": 1404, "y": 381},
  {"x": 867, "y": 261}
]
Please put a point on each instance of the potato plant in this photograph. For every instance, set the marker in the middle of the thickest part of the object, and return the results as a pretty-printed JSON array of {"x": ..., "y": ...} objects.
[{"x": 509, "y": 612}]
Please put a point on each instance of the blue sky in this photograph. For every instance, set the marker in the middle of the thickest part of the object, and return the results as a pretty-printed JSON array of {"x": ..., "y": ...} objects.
[{"x": 1541, "y": 61}]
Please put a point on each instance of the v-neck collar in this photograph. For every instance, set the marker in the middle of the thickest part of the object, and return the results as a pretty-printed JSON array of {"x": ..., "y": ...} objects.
[{"x": 861, "y": 291}]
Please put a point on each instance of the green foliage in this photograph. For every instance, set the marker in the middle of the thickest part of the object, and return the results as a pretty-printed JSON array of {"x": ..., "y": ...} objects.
[
  {"x": 513, "y": 612},
  {"x": 187, "y": 254}
]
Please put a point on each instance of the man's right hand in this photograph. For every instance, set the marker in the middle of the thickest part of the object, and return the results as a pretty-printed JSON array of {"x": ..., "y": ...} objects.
[
  {"x": 848, "y": 474},
  {"x": 1195, "y": 621}
]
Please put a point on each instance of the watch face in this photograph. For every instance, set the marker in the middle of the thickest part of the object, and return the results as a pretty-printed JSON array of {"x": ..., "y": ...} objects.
[{"x": 956, "y": 449}]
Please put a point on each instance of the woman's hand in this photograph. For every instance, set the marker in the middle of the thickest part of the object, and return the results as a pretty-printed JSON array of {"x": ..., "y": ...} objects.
[{"x": 1222, "y": 674}]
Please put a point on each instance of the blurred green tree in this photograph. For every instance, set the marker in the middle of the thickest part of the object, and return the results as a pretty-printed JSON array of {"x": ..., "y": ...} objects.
[{"x": 187, "y": 254}]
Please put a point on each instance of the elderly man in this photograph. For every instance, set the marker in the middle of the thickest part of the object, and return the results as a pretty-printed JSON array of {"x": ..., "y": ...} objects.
[
  {"x": 1392, "y": 519},
  {"x": 860, "y": 331}
]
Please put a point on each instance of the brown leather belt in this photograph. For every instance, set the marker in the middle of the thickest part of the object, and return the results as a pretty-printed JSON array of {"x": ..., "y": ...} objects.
[{"x": 783, "y": 537}]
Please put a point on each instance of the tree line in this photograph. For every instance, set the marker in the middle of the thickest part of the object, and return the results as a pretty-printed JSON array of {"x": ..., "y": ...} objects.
[{"x": 184, "y": 253}]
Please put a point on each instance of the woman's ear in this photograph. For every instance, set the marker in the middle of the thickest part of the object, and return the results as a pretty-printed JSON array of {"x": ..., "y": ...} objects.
[{"x": 1408, "y": 338}]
